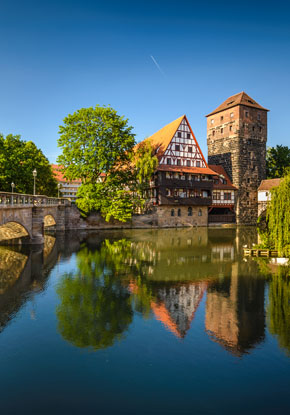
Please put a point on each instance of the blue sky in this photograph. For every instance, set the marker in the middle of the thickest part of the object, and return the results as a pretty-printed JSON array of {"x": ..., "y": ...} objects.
[{"x": 59, "y": 56}]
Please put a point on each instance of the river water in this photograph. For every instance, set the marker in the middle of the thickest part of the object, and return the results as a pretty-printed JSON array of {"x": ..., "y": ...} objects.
[{"x": 169, "y": 321}]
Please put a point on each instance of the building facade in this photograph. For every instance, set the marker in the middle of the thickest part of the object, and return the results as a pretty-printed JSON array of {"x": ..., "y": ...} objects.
[
  {"x": 236, "y": 139},
  {"x": 182, "y": 185},
  {"x": 67, "y": 188},
  {"x": 264, "y": 193}
]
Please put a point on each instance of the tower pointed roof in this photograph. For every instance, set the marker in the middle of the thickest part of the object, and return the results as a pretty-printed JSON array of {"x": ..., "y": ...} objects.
[{"x": 238, "y": 99}]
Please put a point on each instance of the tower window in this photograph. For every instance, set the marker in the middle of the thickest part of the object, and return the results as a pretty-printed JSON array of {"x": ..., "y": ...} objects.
[
  {"x": 249, "y": 180},
  {"x": 189, "y": 211},
  {"x": 179, "y": 134},
  {"x": 222, "y": 130},
  {"x": 190, "y": 149},
  {"x": 259, "y": 116},
  {"x": 179, "y": 212},
  {"x": 246, "y": 114},
  {"x": 222, "y": 118},
  {"x": 253, "y": 128},
  {"x": 232, "y": 114},
  {"x": 168, "y": 161},
  {"x": 213, "y": 133},
  {"x": 212, "y": 121},
  {"x": 177, "y": 147},
  {"x": 188, "y": 135},
  {"x": 248, "y": 194},
  {"x": 178, "y": 162},
  {"x": 231, "y": 127},
  {"x": 260, "y": 129},
  {"x": 188, "y": 163}
]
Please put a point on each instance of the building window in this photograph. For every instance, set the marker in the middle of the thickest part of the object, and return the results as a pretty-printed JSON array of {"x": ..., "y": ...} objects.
[
  {"x": 227, "y": 196},
  {"x": 248, "y": 194},
  {"x": 211, "y": 121},
  {"x": 253, "y": 128},
  {"x": 172, "y": 212},
  {"x": 179, "y": 134},
  {"x": 188, "y": 135},
  {"x": 178, "y": 162},
  {"x": 198, "y": 164},
  {"x": 213, "y": 133},
  {"x": 259, "y": 116},
  {"x": 246, "y": 114},
  {"x": 188, "y": 163},
  {"x": 248, "y": 180},
  {"x": 190, "y": 211},
  {"x": 267, "y": 193},
  {"x": 232, "y": 115},
  {"x": 168, "y": 192},
  {"x": 168, "y": 161},
  {"x": 222, "y": 118},
  {"x": 179, "y": 212},
  {"x": 260, "y": 129},
  {"x": 231, "y": 127},
  {"x": 190, "y": 149},
  {"x": 200, "y": 212},
  {"x": 177, "y": 147},
  {"x": 222, "y": 130}
]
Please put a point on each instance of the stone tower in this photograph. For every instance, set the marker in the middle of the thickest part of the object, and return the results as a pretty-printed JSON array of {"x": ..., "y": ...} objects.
[{"x": 236, "y": 139}]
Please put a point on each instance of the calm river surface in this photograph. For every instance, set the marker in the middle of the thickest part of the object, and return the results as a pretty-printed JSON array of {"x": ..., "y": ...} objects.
[{"x": 144, "y": 322}]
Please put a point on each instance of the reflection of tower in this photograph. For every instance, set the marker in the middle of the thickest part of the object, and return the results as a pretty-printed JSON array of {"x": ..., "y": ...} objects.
[
  {"x": 235, "y": 315},
  {"x": 175, "y": 306}
]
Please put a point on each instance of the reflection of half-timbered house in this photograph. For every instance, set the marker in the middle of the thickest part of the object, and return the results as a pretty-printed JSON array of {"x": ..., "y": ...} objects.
[{"x": 182, "y": 185}]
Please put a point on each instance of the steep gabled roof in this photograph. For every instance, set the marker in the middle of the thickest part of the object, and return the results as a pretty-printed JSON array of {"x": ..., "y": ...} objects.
[
  {"x": 161, "y": 139},
  {"x": 238, "y": 99},
  {"x": 269, "y": 184}
]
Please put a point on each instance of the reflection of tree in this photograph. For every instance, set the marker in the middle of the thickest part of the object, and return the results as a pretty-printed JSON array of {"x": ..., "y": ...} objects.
[
  {"x": 95, "y": 306},
  {"x": 279, "y": 307}
]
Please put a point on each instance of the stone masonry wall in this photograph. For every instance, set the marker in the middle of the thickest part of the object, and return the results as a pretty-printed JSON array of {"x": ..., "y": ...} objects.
[{"x": 238, "y": 142}]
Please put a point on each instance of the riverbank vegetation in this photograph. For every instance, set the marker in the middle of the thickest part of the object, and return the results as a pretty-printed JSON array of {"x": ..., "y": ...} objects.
[
  {"x": 275, "y": 229},
  {"x": 278, "y": 161},
  {"x": 18, "y": 159},
  {"x": 99, "y": 148}
]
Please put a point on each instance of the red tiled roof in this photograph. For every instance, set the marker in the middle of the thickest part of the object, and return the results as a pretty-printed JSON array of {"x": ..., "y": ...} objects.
[
  {"x": 221, "y": 172},
  {"x": 58, "y": 174},
  {"x": 238, "y": 99},
  {"x": 184, "y": 169},
  {"x": 269, "y": 184}
]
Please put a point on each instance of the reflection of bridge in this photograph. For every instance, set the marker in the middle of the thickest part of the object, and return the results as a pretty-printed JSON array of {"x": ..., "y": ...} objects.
[{"x": 25, "y": 215}]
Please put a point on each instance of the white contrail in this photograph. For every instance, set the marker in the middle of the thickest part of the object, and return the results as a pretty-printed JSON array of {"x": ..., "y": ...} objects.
[{"x": 157, "y": 65}]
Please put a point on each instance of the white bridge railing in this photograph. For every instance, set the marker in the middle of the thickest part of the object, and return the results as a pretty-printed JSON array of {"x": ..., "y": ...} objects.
[{"x": 8, "y": 200}]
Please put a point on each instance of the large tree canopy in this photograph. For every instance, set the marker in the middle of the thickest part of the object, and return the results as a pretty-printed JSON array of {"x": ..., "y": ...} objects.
[
  {"x": 18, "y": 159},
  {"x": 278, "y": 161},
  {"x": 96, "y": 141}
]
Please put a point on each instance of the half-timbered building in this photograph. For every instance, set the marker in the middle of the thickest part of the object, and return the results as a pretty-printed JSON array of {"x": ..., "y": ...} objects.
[{"x": 182, "y": 185}]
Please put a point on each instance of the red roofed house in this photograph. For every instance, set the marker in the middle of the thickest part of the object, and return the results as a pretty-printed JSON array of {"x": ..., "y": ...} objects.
[
  {"x": 182, "y": 185},
  {"x": 67, "y": 188}
]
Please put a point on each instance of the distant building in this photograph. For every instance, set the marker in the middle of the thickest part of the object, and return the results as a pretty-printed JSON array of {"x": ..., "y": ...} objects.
[
  {"x": 68, "y": 188},
  {"x": 264, "y": 193},
  {"x": 236, "y": 138}
]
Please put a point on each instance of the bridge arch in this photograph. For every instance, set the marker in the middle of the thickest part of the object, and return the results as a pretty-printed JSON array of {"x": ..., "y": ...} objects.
[
  {"x": 12, "y": 230},
  {"x": 49, "y": 220}
]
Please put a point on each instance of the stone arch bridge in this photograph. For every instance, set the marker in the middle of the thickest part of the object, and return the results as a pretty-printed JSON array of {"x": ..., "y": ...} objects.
[{"x": 30, "y": 213}]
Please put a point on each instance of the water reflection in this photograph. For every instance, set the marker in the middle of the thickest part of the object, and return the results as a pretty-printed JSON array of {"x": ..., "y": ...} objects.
[{"x": 164, "y": 275}]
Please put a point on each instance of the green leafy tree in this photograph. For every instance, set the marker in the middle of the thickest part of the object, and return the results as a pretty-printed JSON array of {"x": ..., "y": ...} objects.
[
  {"x": 278, "y": 161},
  {"x": 98, "y": 140},
  {"x": 278, "y": 217},
  {"x": 18, "y": 158}
]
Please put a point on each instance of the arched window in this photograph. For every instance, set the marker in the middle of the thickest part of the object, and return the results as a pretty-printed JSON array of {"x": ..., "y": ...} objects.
[
  {"x": 179, "y": 212},
  {"x": 190, "y": 211},
  {"x": 172, "y": 212},
  {"x": 200, "y": 212}
]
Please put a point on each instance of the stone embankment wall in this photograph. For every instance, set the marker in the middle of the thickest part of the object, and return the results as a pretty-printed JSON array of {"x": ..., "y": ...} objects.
[{"x": 160, "y": 217}]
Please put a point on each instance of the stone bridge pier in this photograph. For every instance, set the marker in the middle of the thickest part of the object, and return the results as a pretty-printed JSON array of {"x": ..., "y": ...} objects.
[{"x": 28, "y": 215}]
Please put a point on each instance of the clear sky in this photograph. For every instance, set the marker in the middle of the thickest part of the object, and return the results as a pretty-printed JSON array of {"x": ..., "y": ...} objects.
[{"x": 58, "y": 56}]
